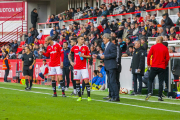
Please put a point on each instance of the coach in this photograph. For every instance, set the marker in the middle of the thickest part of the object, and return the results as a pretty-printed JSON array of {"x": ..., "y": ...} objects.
[
  {"x": 160, "y": 58},
  {"x": 137, "y": 66},
  {"x": 109, "y": 57}
]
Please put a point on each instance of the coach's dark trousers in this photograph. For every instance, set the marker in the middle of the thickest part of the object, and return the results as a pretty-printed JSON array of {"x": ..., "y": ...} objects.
[
  {"x": 66, "y": 75},
  {"x": 139, "y": 77},
  {"x": 153, "y": 72},
  {"x": 113, "y": 88},
  {"x": 117, "y": 79},
  {"x": 6, "y": 75}
]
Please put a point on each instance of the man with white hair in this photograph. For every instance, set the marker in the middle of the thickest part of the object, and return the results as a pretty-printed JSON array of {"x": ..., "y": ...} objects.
[{"x": 143, "y": 7}]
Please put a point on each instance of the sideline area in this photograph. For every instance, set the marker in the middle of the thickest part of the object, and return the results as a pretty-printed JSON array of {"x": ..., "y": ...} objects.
[{"x": 40, "y": 100}]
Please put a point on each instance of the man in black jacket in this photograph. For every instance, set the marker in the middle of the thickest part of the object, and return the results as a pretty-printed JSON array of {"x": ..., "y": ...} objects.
[
  {"x": 168, "y": 21},
  {"x": 132, "y": 8},
  {"x": 138, "y": 66},
  {"x": 105, "y": 21},
  {"x": 34, "y": 32},
  {"x": 34, "y": 16},
  {"x": 114, "y": 26}
]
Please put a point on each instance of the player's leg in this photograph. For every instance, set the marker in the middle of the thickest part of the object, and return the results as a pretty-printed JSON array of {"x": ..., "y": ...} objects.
[
  {"x": 52, "y": 73},
  {"x": 85, "y": 76},
  {"x": 31, "y": 78},
  {"x": 83, "y": 86},
  {"x": 60, "y": 79},
  {"x": 26, "y": 75},
  {"x": 74, "y": 83},
  {"x": 77, "y": 77}
]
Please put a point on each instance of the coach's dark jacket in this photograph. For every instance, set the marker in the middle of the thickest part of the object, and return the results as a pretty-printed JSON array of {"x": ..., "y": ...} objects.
[
  {"x": 138, "y": 60},
  {"x": 110, "y": 54},
  {"x": 118, "y": 59}
]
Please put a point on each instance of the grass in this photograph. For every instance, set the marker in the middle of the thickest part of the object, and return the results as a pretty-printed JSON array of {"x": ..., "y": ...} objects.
[{"x": 17, "y": 104}]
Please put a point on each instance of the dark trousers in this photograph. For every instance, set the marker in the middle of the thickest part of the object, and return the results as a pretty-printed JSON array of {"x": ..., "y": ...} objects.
[
  {"x": 139, "y": 77},
  {"x": 166, "y": 76},
  {"x": 66, "y": 75},
  {"x": 153, "y": 72},
  {"x": 113, "y": 88},
  {"x": 117, "y": 79},
  {"x": 34, "y": 25},
  {"x": 42, "y": 76},
  {"x": 73, "y": 81},
  {"x": 6, "y": 75}
]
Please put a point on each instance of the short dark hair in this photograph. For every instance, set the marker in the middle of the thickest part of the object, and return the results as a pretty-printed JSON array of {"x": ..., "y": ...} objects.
[
  {"x": 74, "y": 39},
  {"x": 41, "y": 30},
  {"x": 95, "y": 71},
  {"x": 100, "y": 66},
  {"x": 44, "y": 60},
  {"x": 27, "y": 47},
  {"x": 79, "y": 37},
  {"x": 66, "y": 42}
]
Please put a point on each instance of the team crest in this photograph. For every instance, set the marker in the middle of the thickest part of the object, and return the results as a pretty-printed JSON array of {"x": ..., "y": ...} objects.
[{"x": 83, "y": 49}]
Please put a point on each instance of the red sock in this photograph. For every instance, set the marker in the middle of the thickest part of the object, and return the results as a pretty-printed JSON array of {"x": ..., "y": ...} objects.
[{"x": 54, "y": 92}]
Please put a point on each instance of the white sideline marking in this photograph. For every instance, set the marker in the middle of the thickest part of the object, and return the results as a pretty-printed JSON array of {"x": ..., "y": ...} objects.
[{"x": 103, "y": 101}]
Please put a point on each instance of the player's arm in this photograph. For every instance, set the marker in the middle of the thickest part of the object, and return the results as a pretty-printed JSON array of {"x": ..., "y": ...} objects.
[
  {"x": 34, "y": 61},
  {"x": 47, "y": 53},
  {"x": 62, "y": 56},
  {"x": 87, "y": 55},
  {"x": 22, "y": 62}
]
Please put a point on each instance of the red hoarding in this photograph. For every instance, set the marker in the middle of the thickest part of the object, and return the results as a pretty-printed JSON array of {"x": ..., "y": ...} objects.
[{"x": 9, "y": 9}]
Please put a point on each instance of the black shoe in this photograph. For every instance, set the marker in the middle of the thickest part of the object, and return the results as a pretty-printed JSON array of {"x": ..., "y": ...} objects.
[
  {"x": 111, "y": 99},
  {"x": 148, "y": 96},
  {"x": 107, "y": 98},
  {"x": 29, "y": 88},
  {"x": 134, "y": 93},
  {"x": 114, "y": 100},
  {"x": 160, "y": 99},
  {"x": 26, "y": 88},
  {"x": 54, "y": 95},
  {"x": 82, "y": 93},
  {"x": 138, "y": 93},
  {"x": 63, "y": 95}
]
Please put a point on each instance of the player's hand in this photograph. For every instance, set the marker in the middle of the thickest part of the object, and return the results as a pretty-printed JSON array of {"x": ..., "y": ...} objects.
[
  {"x": 89, "y": 66},
  {"x": 130, "y": 69},
  {"x": 139, "y": 70},
  {"x": 61, "y": 66},
  {"x": 102, "y": 57},
  {"x": 82, "y": 55},
  {"x": 149, "y": 66},
  {"x": 72, "y": 63},
  {"x": 30, "y": 67}
]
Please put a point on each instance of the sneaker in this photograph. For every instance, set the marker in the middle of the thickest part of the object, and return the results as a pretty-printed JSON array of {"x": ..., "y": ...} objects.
[
  {"x": 63, "y": 95},
  {"x": 66, "y": 89},
  {"x": 160, "y": 99},
  {"x": 79, "y": 99},
  {"x": 73, "y": 94},
  {"x": 148, "y": 96},
  {"x": 59, "y": 87},
  {"x": 29, "y": 88},
  {"x": 89, "y": 99},
  {"x": 54, "y": 95},
  {"x": 107, "y": 98},
  {"x": 133, "y": 93},
  {"x": 26, "y": 88}
]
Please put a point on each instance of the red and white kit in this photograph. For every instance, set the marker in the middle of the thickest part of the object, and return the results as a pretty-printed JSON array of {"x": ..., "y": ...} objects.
[
  {"x": 80, "y": 67},
  {"x": 56, "y": 54}
]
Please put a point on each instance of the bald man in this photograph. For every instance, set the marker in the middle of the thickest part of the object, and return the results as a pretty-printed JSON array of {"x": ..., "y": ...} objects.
[{"x": 160, "y": 58}]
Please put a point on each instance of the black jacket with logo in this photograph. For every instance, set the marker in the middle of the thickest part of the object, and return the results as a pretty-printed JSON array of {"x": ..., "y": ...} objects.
[{"x": 138, "y": 61}]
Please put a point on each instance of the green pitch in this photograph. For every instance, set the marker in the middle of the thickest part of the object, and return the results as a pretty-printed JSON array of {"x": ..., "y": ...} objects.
[{"x": 18, "y": 104}]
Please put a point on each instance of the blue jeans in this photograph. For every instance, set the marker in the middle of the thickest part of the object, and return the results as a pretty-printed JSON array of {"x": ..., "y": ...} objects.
[{"x": 42, "y": 76}]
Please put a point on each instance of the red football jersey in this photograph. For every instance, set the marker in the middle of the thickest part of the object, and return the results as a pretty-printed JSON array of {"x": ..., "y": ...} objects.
[
  {"x": 56, "y": 54},
  {"x": 80, "y": 64}
]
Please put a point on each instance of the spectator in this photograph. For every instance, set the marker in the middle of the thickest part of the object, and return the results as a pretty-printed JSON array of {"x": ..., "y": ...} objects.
[
  {"x": 40, "y": 35},
  {"x": 123, "y": 10},
  {"x": 144, "y": 34},
  {"x": 136, "y": 30},
  {"x": 154, "y": 34},
  {"x": 143, "y": 7},
  {"x": 57, "y": 18},
  {"x": 48, "y": 19},
  {"x": 129, "y": 52},
  {"x": 172, "y": 3},
  {"x": 36, "y": 42},
  {"x": 100, "y": 12},
  {"x": 66, "y": 64},
  {"x": 31, "y": 48},
  {"x": 15, "y": 46},
  {"x": 34, "y": 32},
  {"x": 44, "y": 70},
  {"x": 161, "y": 32},
  {"x": 120, "y": 32},
  {"x": 106, "y": 29},
  {"x": 11, "y": 42},
  {"x": 95, "y": 74},
  {"x": 92, "y": 39},
  {"x": 86, "y": 6},
  {"x": 160, "y": 5},
  {"x": 51, "y": 32},
  {"x": 105, "y": 12},
  {"x": 12, "y": 55},
  {"x": 122, "y": 45},
  {"x": 178, "y": 20},
  {"x": 7, "y": 48},
  {"x": 63, "y": 28},
  {"x": 21, "y": 55},
  {"x": 125, "y": 32},
  {"x": 165, "y": 3},
  {"x": 34, "y": 16},
  {"x": 30, "y": 39},
  {"x": 154, "y": 19},
  {"x": 132, "y": 8},
  {"x": 55, "y": 36},
  {"x": 58, "y": 29},
  {"x": 111, "y": 8},
  {"x": 153, "y": 6},
  {"x": 168, "y": 21},
  {"x": 52, "y": 18},
  {"x": 143, "y": 43},
  {"x": 61, "y": 40},
  {"x": 172, "y": 32},
  {"x": 114, "y": 26},
  {"x": 36, "y": 49}
]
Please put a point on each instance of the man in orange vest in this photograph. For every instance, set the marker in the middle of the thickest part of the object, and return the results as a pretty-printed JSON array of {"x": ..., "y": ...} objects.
[{"x": 6, "y": 66}]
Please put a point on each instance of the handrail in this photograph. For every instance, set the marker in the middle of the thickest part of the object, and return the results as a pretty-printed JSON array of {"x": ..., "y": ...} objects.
[
  {"x": 48, "y": 23},
  {"x": 11, "y": 17},
  {"x": 79, "y": 19}
]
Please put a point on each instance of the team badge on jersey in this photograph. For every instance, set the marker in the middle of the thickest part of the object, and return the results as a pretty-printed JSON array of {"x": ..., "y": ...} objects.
[{"x": 83, "y": 49}]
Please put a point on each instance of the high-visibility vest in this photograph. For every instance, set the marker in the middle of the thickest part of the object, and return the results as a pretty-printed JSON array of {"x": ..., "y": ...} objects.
[{"x": 4, "y": 67}]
